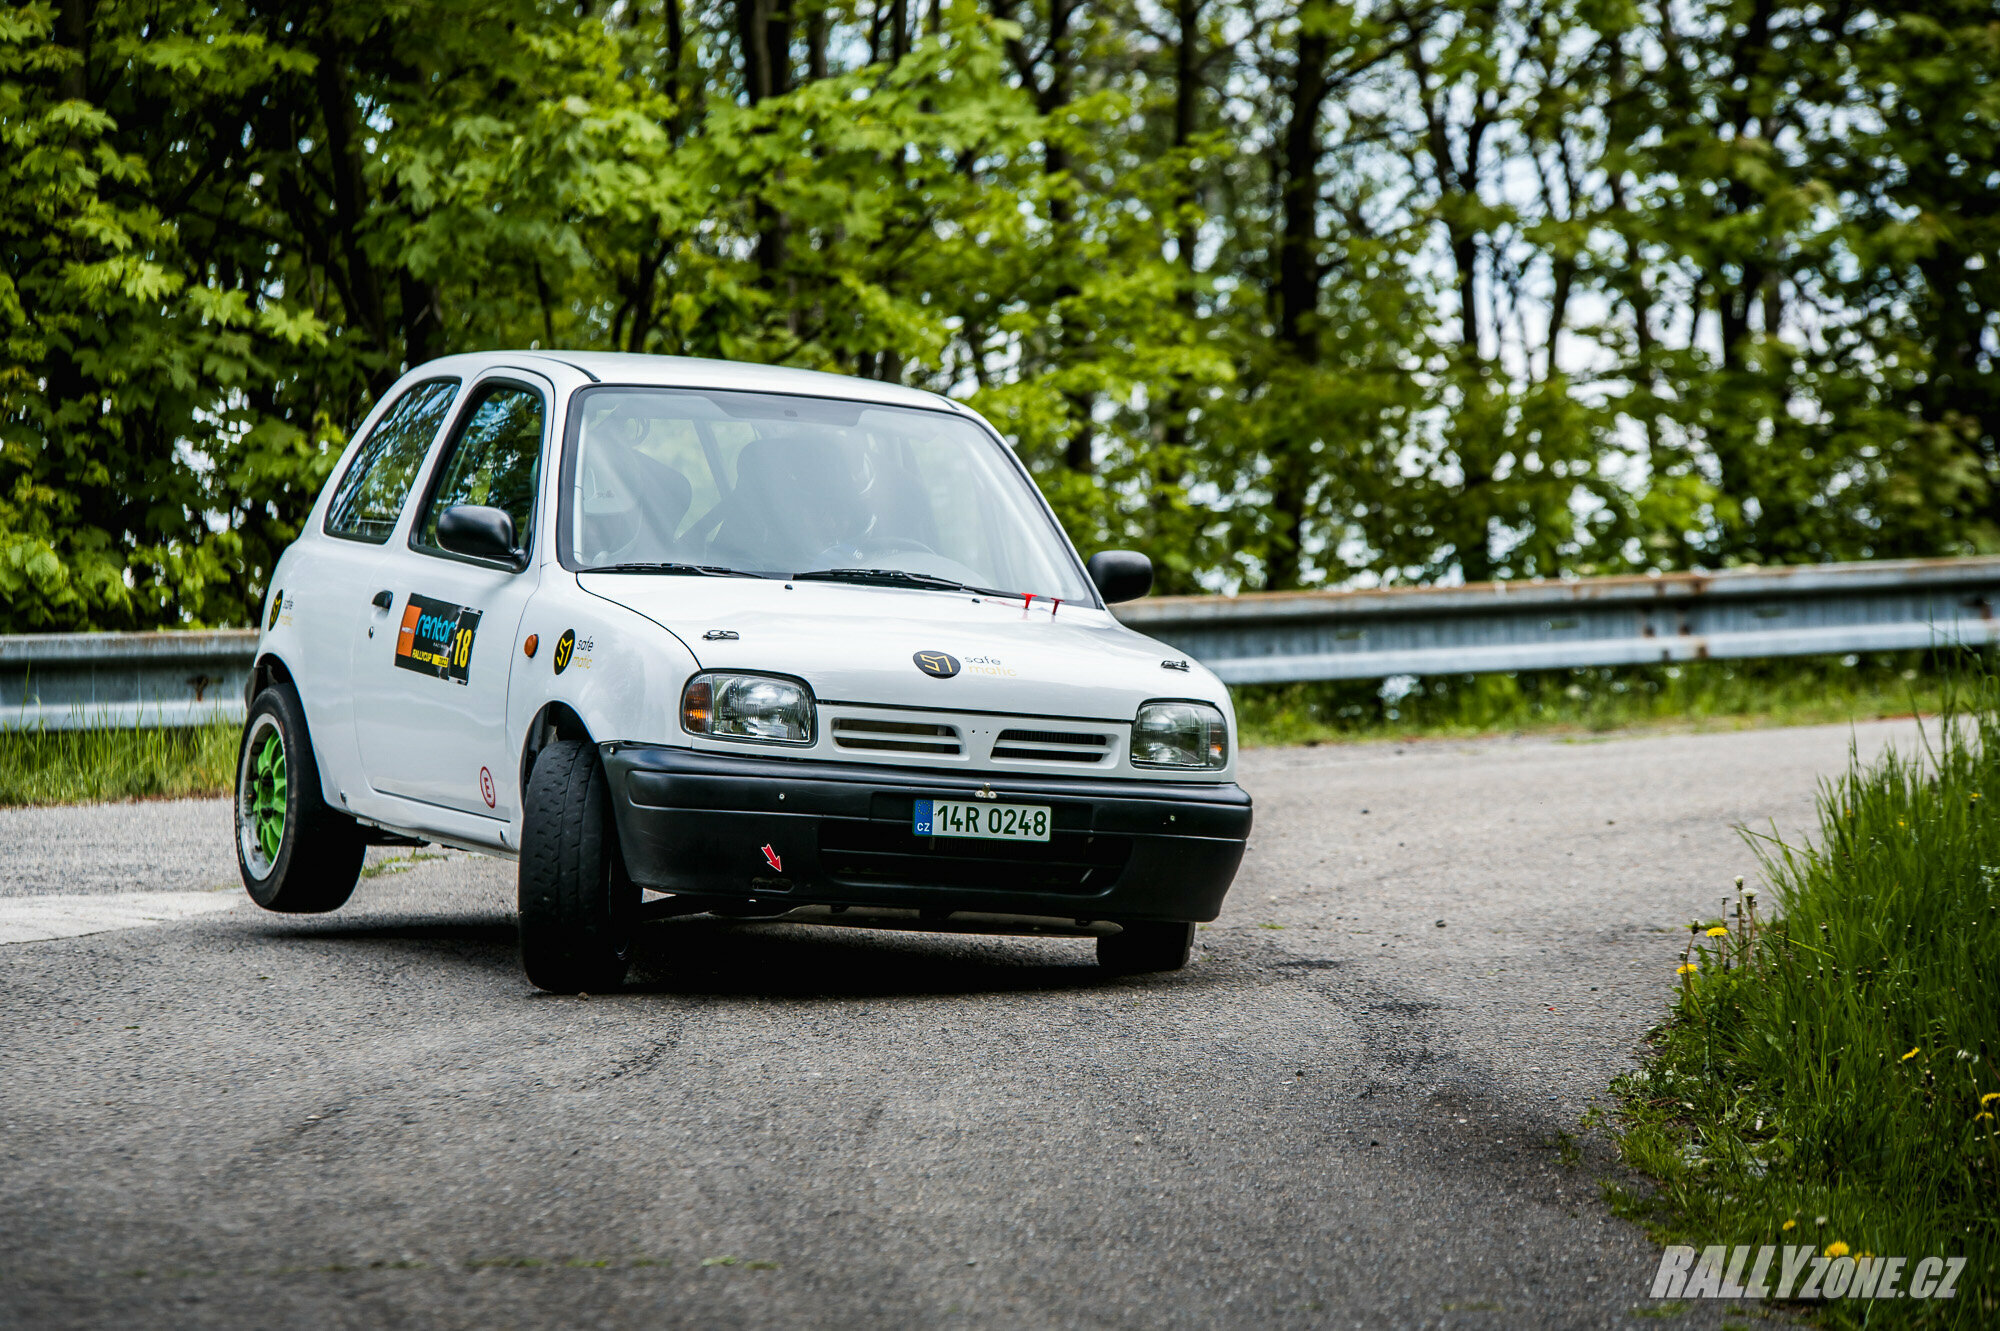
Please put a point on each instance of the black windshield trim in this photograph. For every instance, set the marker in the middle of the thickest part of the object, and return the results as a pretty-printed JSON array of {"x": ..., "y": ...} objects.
[
  {"x": 896, "y": 577},
  {"x": 670, "y": 567}
]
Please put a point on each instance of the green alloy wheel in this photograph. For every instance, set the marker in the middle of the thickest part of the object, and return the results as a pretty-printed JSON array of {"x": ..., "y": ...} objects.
[
  {"x": 297, "y": 855},
  {"x": 265, "y": 789}
]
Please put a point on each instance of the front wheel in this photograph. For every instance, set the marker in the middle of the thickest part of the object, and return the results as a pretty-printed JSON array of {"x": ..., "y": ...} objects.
[
  {"x": 297, "y": 855},
  {"x": 577, "y": 905},
  {"x": 1145, "y": 945}
]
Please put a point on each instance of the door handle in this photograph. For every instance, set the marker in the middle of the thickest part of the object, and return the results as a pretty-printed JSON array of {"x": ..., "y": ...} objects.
[{"x": 383, "y": 599}]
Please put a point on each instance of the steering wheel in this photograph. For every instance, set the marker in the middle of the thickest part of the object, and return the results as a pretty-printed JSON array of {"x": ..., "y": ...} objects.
[{"x": 881, "y": 545}]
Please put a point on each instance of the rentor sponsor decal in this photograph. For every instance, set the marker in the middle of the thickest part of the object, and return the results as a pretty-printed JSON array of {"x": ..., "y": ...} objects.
[{"x": 436, "y": 638}]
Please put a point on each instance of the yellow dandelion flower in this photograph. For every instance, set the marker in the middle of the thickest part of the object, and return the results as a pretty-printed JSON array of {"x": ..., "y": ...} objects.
[
  {"x": 1718, "y": 932},
  {"x": 1980, "y": 1115},
  {"x": 1688, "y": 969},
  {"x": 1836, "y": 1249},
  {"x": 1789, "y": 1224},
  {"x": 1901, "y": 823},
  {"x": 1989, "y": 1097},
  {"x": 1907, "y": 1057}
]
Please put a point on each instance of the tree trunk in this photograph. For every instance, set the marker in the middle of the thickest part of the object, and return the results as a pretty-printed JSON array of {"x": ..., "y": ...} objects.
[
  {"x": 350, "y": 208},
  {"x": 764, "y": 29},
  {"x": 423, "y": 335},
  {"x": 1187, "y": 92},
  {"x": 1299, "y": 275},
  {"x": 1079, "y": 452},
  {"x": 816, "y": 36},
  {"x": 73, "y": 31}
]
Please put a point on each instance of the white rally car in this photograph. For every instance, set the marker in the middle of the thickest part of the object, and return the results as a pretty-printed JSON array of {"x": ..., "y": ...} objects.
[{"x": 689, "y": 636}]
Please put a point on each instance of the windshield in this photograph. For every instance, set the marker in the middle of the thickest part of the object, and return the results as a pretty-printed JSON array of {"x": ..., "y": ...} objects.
[{"x": 783, "y": 486}]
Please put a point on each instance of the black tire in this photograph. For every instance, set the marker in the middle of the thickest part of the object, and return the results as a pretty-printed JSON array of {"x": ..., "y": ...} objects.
[
  {"x": 297, "y": 856},
  {"x": 1145, "y": 945},
  {"x": 578, "y": 908}
]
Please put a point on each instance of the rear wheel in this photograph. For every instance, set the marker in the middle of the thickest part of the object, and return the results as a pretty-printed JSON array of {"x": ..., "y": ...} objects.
[
  {"x": 578, "y": 908},
  {"x": 297, "y": 855},
  {"x": 1145, "y": 945}
]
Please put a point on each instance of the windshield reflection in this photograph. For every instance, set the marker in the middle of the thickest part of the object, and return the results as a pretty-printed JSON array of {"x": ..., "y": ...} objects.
[{"x": 704, "y": 483}]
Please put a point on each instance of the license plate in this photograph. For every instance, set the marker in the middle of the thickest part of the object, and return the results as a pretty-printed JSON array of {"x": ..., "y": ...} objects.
[{"x": 987, "y": 822}]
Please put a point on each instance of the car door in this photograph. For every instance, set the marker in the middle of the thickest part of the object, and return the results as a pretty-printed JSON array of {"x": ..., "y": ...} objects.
[
  {"x": 328, "y": 581},
  {"x": 431, "y": 669}
]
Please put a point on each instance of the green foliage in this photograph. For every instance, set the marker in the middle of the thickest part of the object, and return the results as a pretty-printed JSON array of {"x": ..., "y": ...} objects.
[
  {"x": 1283, "y": 294},
  {"x": 1833, "y": 1067}
]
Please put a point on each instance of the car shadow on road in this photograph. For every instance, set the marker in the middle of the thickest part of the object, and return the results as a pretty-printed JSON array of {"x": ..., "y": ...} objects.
[
  {"x": 489, "y": 942},
  {"x": 715, "y": 957},
  {"x": 712, "y": 957}
]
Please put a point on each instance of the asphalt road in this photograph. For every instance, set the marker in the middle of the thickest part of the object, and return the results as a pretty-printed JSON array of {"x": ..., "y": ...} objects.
[{"x": 1344, "y": 1113}]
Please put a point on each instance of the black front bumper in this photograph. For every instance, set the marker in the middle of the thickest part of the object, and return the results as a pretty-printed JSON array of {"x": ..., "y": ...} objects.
[{"x": 699, "y": 824}]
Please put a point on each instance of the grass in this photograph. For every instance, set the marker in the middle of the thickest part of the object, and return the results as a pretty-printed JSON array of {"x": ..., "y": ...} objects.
[
  {"x": 1827, "y": 1075},
  {"x": 79, "y": 766},
  {"x": 1695, "y": 695}
]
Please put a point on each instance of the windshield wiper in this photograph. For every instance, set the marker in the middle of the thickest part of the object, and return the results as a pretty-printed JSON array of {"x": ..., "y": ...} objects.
[
  {"x": 891, "y": 577},
  {"x": 697, "y": 570}
]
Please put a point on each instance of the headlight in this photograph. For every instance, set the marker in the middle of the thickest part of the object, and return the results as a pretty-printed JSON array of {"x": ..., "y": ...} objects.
[
  {"x": 1180, "y": 734},
  {"x": 761, "y": 708}
]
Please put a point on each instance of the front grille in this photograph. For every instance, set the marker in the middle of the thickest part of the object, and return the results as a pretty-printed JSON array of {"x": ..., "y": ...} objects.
[
  {"x": 1053, "y": 746},
  {"x": 859, "y": 853},
  {"x": 854, "y": 732}
]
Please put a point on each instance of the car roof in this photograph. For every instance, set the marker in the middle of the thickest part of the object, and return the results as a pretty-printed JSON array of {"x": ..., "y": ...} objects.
[{"x": 612, "y": 367}]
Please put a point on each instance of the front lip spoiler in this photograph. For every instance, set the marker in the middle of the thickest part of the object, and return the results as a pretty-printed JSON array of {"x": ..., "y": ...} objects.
[{"x": 697, "y": 824}]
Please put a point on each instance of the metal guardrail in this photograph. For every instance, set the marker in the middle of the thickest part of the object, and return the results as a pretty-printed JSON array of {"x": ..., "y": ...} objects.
[
  {"x": 94, "y": 680},
  {"x": 1803, "y": 610},
  {"x": 104, "y": 681}
]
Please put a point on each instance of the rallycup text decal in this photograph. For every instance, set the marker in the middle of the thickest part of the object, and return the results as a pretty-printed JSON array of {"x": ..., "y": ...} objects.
[{"x": 436, "y": 638}]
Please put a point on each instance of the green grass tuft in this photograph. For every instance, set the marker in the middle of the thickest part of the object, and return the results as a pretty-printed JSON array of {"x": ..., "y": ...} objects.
[
  {"x": 1832, "y": 1062},
  {"x": 1698, "y": 694},
  {"x": 78, "y": 766}
]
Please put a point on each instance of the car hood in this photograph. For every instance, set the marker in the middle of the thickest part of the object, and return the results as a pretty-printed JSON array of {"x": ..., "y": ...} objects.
[{"x": 858, "y": 644}]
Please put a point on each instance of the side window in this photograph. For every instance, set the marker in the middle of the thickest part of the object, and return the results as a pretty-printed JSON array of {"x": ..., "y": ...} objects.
[
  {"x": 371, "y": 494},
  {"x": 494, "y": 461}
]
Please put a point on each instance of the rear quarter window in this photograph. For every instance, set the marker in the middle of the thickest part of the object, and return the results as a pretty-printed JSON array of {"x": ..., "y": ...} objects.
[{"x": 370, "y": 497}]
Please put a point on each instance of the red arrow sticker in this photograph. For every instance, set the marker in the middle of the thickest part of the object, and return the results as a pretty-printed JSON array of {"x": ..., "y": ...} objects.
[{"x": 771, "y": 857}]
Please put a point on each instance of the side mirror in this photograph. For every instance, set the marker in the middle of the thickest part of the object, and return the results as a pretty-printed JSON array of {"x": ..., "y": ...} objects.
[
  {"x": 479, "y": 531},
  {"x": 1120, "y": 575}
]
